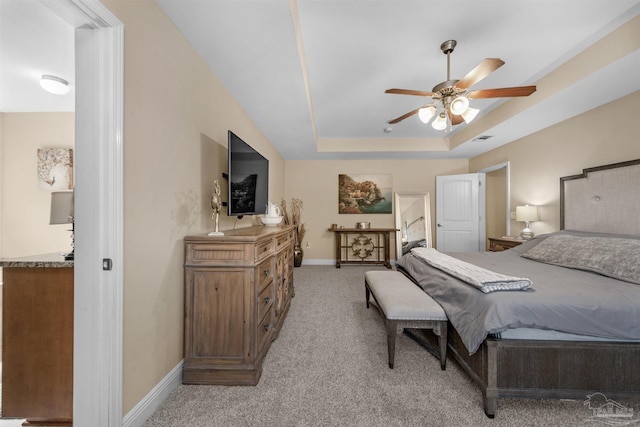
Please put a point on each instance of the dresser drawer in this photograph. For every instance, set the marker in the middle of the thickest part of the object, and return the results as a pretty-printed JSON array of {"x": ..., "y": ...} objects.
[
  {"x": 264, "y": 249},
  {"x": 265, "y": 300},
  {"x": 283, "y": 241},
  {"x": 262, "y": 333},
  {"x": 264, "y": 274},
  {"x": 212, "y": 253}
]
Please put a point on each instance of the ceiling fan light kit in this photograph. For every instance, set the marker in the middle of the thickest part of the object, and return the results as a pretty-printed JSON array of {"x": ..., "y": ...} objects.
[{"x": 451, "y": 97}]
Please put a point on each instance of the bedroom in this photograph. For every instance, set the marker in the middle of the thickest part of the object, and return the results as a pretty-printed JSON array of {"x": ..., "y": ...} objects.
[{"x": 574, "y": 144}]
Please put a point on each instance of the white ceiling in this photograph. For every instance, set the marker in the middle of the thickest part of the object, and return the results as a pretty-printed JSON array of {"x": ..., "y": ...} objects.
[{"x": 313, "y": 72}]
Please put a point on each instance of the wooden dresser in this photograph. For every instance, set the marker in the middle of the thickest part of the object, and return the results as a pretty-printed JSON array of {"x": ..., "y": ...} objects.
[
  {"x": 238, "y": 288},
  {"x": 37, "y": 340}
]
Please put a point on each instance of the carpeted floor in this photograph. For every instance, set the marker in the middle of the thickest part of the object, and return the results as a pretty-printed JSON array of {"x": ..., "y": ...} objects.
[{"x": 329, "y": 368}]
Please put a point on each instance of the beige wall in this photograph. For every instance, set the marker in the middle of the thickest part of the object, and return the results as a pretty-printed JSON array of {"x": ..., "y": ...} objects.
[
  {"x": 607, "y": 134},
  {"x": 176, "y": 116},
  {"x": 24, "y": 209},
  {"x": 316, "y": 184}
]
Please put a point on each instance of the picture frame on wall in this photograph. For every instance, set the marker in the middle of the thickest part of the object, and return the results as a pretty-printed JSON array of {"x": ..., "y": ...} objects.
[
  {"x": 365, "y": 194},
  {"x": 55, "y": 168}
]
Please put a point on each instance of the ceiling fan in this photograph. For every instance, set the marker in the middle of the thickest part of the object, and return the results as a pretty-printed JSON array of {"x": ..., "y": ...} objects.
[{"x": 451, "y": 97}]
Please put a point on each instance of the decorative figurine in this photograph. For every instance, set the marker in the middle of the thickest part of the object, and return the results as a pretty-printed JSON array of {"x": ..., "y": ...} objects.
[{"x": 216, "y": 203}]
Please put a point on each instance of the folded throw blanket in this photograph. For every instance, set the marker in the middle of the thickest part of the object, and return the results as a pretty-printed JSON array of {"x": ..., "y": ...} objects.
[{"x": 478, "y": 277}]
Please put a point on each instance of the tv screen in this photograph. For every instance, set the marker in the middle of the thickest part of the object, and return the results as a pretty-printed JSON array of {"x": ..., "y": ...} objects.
[{"x": 248, "y": 179}]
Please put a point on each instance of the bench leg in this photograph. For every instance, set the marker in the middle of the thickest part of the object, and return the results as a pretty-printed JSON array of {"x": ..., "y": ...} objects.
[
  {"x": 391, "y": 340},
  {"x": 443, "y": 345},
  {"x": 367, "y": 291}
]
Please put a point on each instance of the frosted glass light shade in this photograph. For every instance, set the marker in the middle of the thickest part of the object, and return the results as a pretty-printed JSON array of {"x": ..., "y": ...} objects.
[
  {"x": 55, "y": 85},
  {"x": 425, "y": 114},
  {"x": 459, "y": 105},
  {"x": 440, "y": 123},
  {"x": 470, "y": 114}
]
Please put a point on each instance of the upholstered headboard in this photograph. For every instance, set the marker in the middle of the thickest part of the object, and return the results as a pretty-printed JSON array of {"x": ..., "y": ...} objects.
[{"x": 603, "y": 199}]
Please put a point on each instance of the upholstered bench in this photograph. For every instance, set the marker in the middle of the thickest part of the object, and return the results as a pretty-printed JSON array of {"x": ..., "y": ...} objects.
[{"x": 404, "y": 305}]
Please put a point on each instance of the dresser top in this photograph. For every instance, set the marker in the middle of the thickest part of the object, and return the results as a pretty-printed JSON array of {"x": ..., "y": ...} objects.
[
  {"x": 247, "y": 234},
  {"x": 54, "y": 260}
]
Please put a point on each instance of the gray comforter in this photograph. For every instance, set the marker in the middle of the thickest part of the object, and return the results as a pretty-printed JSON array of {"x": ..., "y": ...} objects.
[{"x": 562, "y": 299}]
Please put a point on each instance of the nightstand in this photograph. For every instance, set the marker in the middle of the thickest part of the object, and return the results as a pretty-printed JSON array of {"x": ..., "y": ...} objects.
[{"x": 497, "y": 244}]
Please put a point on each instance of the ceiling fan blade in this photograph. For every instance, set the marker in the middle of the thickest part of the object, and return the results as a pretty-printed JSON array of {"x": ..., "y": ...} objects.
[
  {"x": 505, "y": 92},
  {"x": 404, "y": 116},
  {"x": 455, "y": 119},
  {"x": 486, "y": 67},
  {"x": 408, "y": 92}
]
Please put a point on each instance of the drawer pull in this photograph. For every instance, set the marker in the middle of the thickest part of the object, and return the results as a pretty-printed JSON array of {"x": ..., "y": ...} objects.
[
  {"x": 266, "y": 326},
  {"x": 266, "y": 300},
  {"x": 266, "y": 272}
]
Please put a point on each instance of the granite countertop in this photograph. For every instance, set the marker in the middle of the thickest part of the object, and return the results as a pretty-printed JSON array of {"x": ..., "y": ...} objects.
[{"x": 55, "y": 260}]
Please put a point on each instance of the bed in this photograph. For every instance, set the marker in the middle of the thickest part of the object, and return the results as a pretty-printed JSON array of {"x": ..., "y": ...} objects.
[{"x": 575, "y": 329}]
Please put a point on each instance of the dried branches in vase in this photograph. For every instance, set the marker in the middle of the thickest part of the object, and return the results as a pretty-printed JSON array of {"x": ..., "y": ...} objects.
[{"x": 295, "y": 218}]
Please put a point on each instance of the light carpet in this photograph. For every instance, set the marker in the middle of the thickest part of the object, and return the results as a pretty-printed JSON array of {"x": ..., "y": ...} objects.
[{"x": 329, "y": 367}]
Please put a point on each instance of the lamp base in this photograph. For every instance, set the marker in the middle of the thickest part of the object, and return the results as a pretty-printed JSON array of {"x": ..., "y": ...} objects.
[
  {"x": 216, "y": 233},
  {"x": 527, "y": 234}
]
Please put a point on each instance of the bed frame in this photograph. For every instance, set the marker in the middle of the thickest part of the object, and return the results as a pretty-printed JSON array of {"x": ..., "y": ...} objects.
[{"x": 601, "y": 199}]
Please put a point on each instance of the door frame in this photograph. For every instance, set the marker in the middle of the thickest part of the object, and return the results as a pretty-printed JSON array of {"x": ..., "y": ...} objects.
[
  {"x": 494, "y": 168},
  {"x": 98, "y": 293}
]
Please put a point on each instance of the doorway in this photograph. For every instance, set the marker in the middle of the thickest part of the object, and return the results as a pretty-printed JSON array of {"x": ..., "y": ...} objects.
[{"x": 497, "y": 190}]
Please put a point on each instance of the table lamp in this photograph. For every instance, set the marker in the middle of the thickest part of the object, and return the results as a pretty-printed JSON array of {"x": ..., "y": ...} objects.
[
  {"x": 527, "y": 214},
  {"x": 62, "y": 213}
]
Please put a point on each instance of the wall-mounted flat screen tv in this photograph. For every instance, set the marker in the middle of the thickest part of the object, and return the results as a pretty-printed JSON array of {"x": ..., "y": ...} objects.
[{"x": 248, "y": 179}]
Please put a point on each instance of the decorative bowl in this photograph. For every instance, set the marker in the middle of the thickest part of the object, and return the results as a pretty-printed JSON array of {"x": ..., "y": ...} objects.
[{"x": 271, "y": 220}]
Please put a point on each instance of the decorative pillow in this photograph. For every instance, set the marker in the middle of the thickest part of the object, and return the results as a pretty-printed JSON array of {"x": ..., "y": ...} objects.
[{"x": 613, "y": 257}]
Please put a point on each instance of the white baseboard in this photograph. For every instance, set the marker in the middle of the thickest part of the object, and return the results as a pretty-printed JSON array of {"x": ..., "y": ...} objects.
[
  {"x": 137, "y": 416},
  {"x": 328, "y": 261},
  {"x": 319, "y": 261}
]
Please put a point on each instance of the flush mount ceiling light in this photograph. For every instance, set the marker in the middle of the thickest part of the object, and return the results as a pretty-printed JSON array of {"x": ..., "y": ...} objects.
[
  {"x": 451, "y": 97},
  {"x": 54, "y": 84}
]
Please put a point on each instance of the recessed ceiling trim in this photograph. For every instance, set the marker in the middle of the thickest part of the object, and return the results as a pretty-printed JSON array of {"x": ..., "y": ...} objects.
[
  {"x": 295, "y": 19},
  {"x": 382, "y": 144}
]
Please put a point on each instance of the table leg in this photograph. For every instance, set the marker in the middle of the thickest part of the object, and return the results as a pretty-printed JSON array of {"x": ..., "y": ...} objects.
[{"x": 338, "y": 237}]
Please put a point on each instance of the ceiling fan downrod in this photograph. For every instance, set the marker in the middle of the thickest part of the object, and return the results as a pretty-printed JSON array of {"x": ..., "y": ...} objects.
[{"x": 448, "y": 47}]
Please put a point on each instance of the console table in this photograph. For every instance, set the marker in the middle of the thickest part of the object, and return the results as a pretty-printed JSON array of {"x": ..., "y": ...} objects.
[{"x": 363, "y": 245}]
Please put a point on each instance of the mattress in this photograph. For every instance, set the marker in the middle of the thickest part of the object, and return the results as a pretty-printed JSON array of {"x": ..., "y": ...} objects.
[{"x": 565, "y": 300}]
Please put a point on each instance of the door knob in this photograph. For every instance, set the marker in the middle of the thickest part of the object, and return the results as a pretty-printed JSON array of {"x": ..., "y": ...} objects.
[{"x": 439, "y": 225}]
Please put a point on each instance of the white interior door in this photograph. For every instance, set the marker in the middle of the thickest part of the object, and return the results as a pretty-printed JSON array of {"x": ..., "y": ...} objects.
[{"x": 460, "y": 210}]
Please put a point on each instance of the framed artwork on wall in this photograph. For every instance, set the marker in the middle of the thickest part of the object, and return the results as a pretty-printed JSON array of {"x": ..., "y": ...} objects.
[
  {"x": 364, "y": 193},
  {"x": 55, "y": 168}
]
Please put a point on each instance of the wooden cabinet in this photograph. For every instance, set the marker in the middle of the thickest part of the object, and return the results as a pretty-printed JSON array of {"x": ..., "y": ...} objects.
[
  {"x": 37, "y": 341},
  {"x": 238, "y": 289},
  {"x": 502, "y": 244}
]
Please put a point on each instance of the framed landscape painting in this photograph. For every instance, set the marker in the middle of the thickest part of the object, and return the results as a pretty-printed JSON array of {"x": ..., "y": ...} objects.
[{"x": 364, "y": 193}]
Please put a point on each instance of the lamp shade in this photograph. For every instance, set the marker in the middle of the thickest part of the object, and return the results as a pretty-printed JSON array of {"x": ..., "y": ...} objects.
[
  {"x": 459, "y": 105},
  {"x": 527, "y": 213},
  {"x": 470, "y": 114},
  {"x": 440, "y": 123},
  {"x": 426, "y": 113},
  {"x": 61, "y": 207}
]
